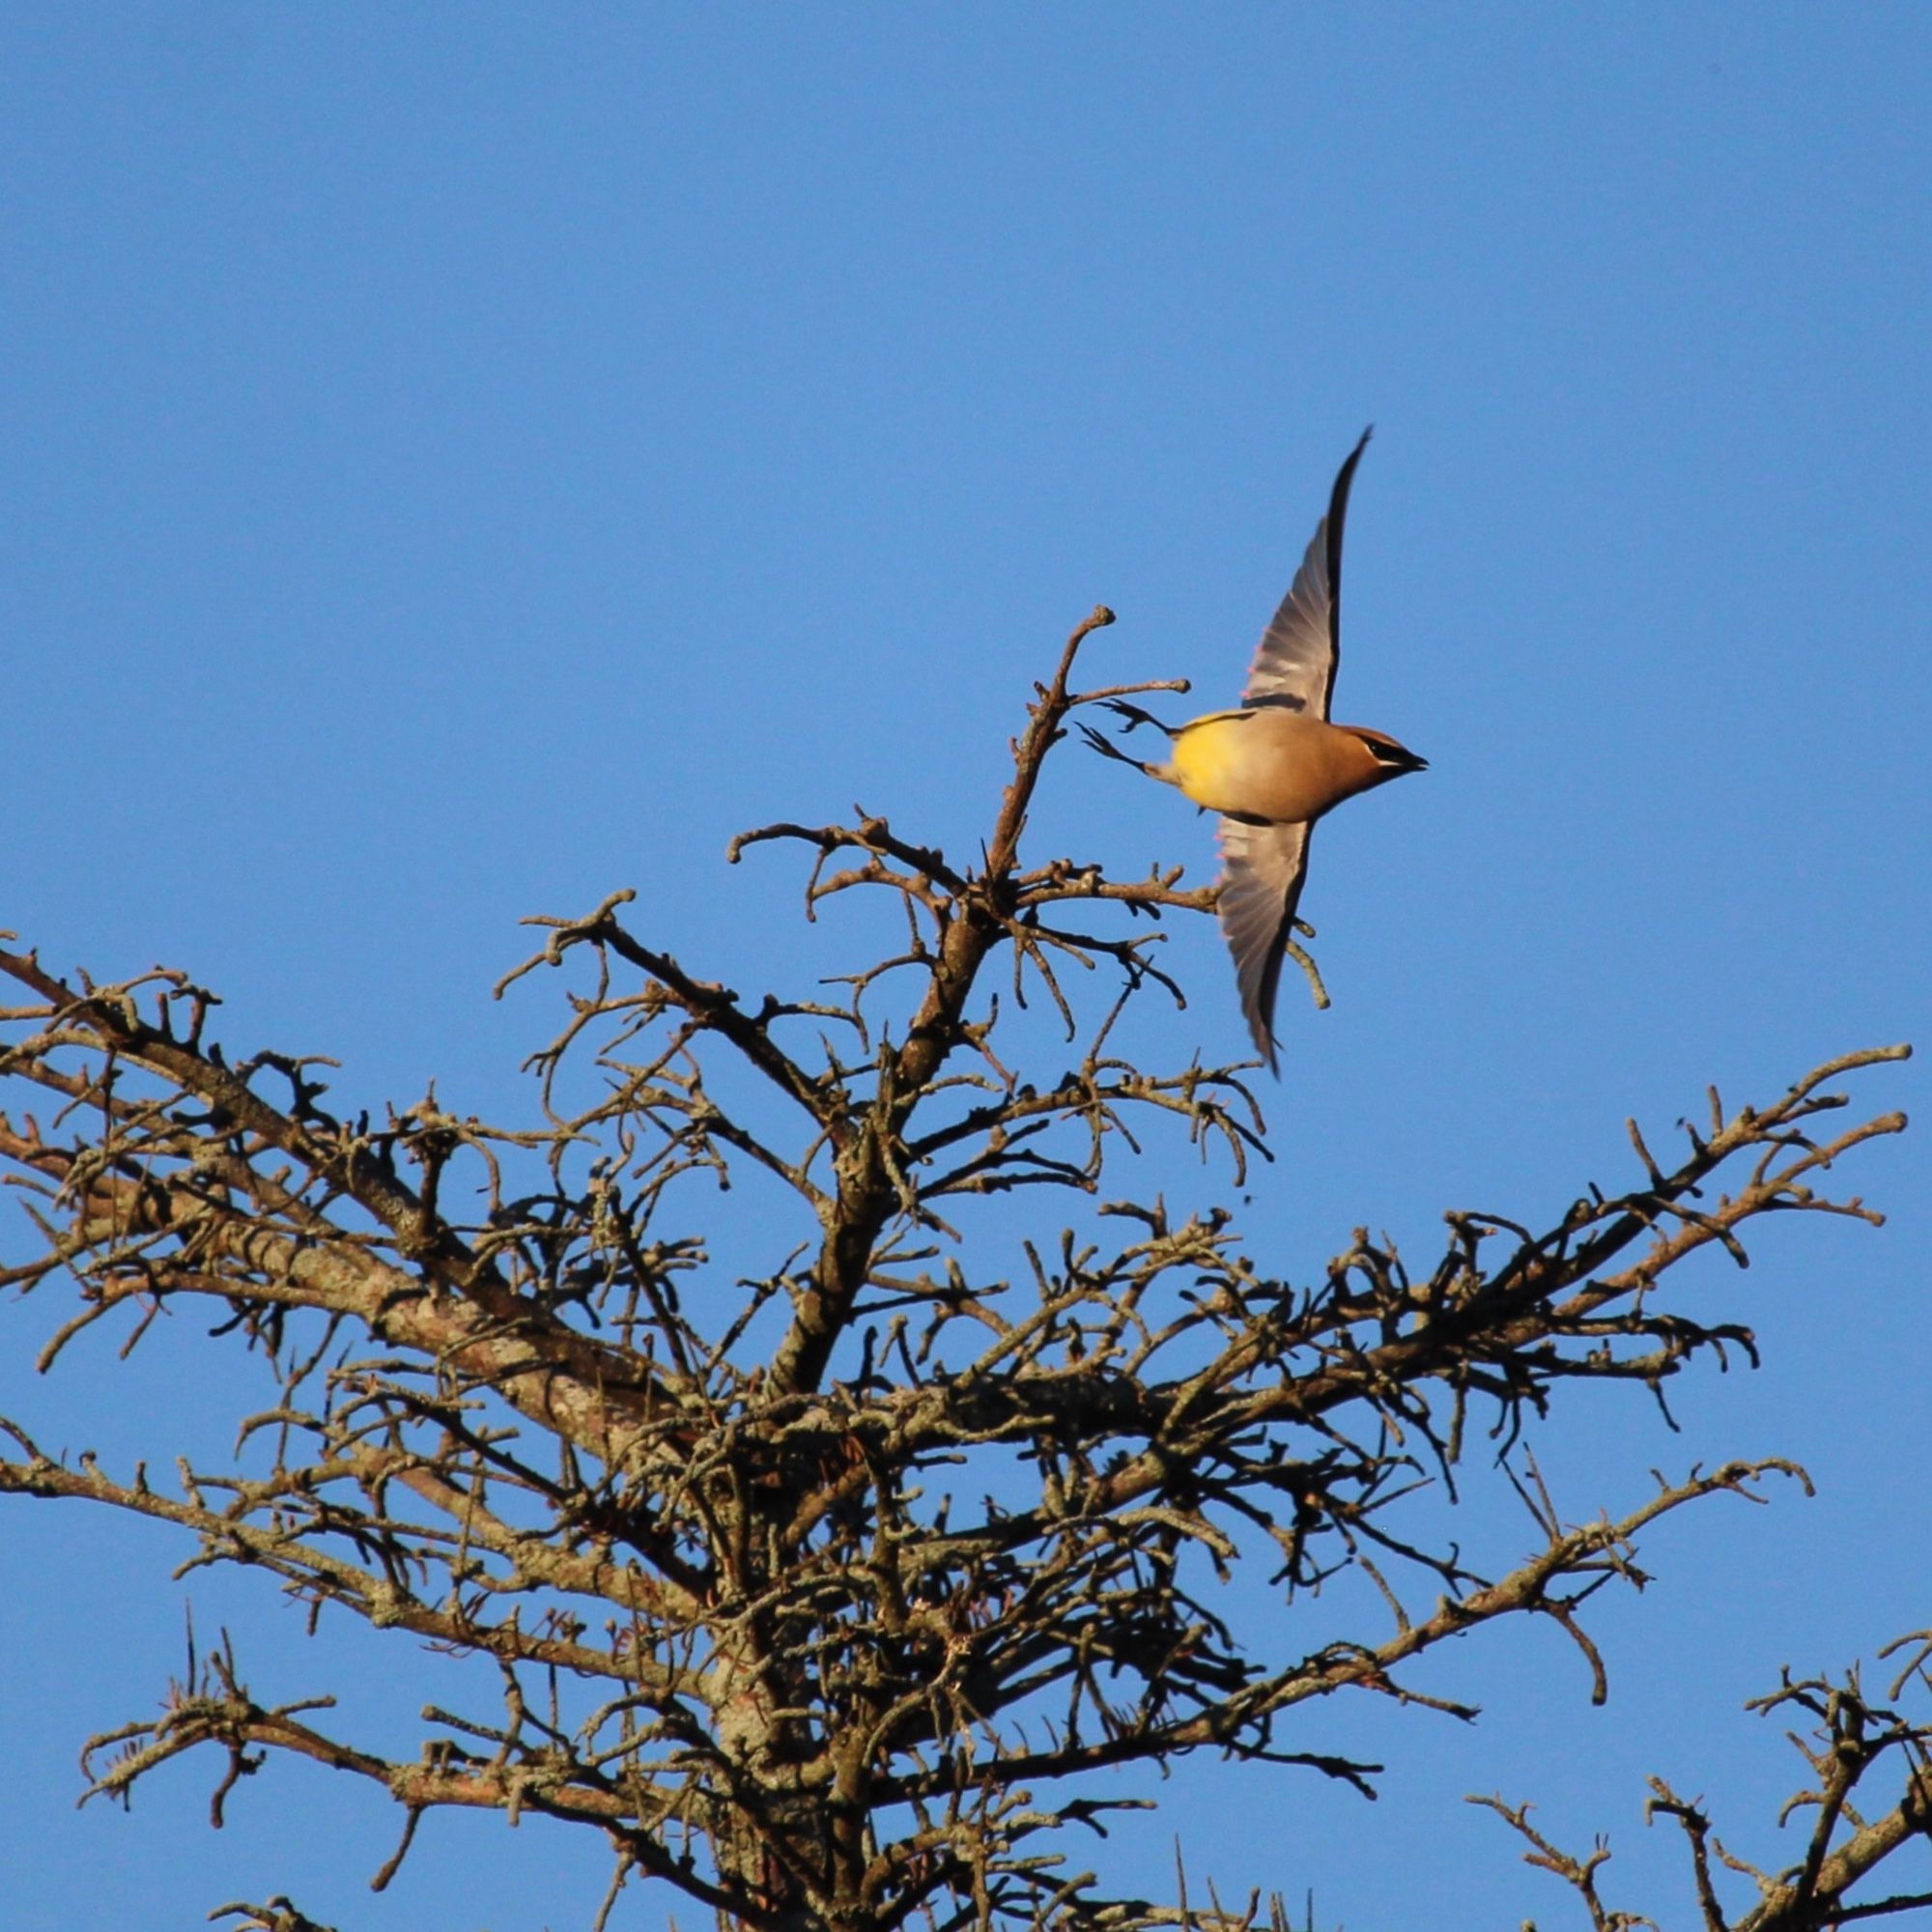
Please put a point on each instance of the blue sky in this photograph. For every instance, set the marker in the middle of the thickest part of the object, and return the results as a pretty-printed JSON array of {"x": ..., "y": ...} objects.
[{"x": 459, "y": 462}]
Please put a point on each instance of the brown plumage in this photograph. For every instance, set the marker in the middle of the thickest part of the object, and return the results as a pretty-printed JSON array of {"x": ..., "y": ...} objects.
[{"x": 1277, "y": 764}]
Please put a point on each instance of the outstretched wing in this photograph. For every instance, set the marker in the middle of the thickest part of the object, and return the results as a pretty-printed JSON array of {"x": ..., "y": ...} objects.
[
  {"x": 1296, "y": 663},
  {"x": 1260, "y": 885}
]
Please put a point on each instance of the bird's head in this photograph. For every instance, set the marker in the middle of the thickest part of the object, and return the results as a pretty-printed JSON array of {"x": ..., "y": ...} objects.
[{"x": 1390, "y": 759}]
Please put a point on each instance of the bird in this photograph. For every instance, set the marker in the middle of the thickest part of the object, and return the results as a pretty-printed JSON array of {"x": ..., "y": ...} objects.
[{"x": 1275, "y": 765}]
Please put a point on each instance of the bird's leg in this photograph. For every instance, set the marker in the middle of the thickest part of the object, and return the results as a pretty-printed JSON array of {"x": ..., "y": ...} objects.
[
  {"x": 1136, "y": 717},
  {"x": 1108, "y": 750}
]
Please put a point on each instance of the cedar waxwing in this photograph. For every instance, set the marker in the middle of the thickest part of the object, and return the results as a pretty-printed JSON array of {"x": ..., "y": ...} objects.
[{"x": 1276, "y": 765}]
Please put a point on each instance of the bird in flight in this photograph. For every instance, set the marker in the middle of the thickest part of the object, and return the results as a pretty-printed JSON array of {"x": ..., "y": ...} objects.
[{"x": 1275, "y": 765}]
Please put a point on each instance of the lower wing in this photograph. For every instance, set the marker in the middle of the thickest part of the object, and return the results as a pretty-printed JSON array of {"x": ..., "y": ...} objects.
[{"x": 1265, "y": 867}]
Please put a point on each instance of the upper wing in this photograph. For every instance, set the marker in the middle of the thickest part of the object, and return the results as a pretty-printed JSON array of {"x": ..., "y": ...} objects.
[
  {"x": 1259, "y": 888},
  {"x": 1296, "y": 663}
]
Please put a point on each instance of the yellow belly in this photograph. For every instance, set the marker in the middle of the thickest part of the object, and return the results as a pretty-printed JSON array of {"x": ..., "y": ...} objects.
[{"x": 1271, "y": 763}]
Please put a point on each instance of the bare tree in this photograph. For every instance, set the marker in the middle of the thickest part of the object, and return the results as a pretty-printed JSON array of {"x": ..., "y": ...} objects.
[{"x": 817, "y": 1597}]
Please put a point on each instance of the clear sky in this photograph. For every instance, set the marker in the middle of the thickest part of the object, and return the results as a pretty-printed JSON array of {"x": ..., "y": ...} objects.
[{"x": 460, "y": 461}]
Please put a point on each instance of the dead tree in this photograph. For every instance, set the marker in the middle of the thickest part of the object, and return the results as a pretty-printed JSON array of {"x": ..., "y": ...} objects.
[{"x": 815, "y": 1597}]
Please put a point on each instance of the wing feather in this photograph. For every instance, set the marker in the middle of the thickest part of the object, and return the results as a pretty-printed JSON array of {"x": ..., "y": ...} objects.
[
  {"x": 1263, "y": 869},
  {"x": 1294, "y": 664}
]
